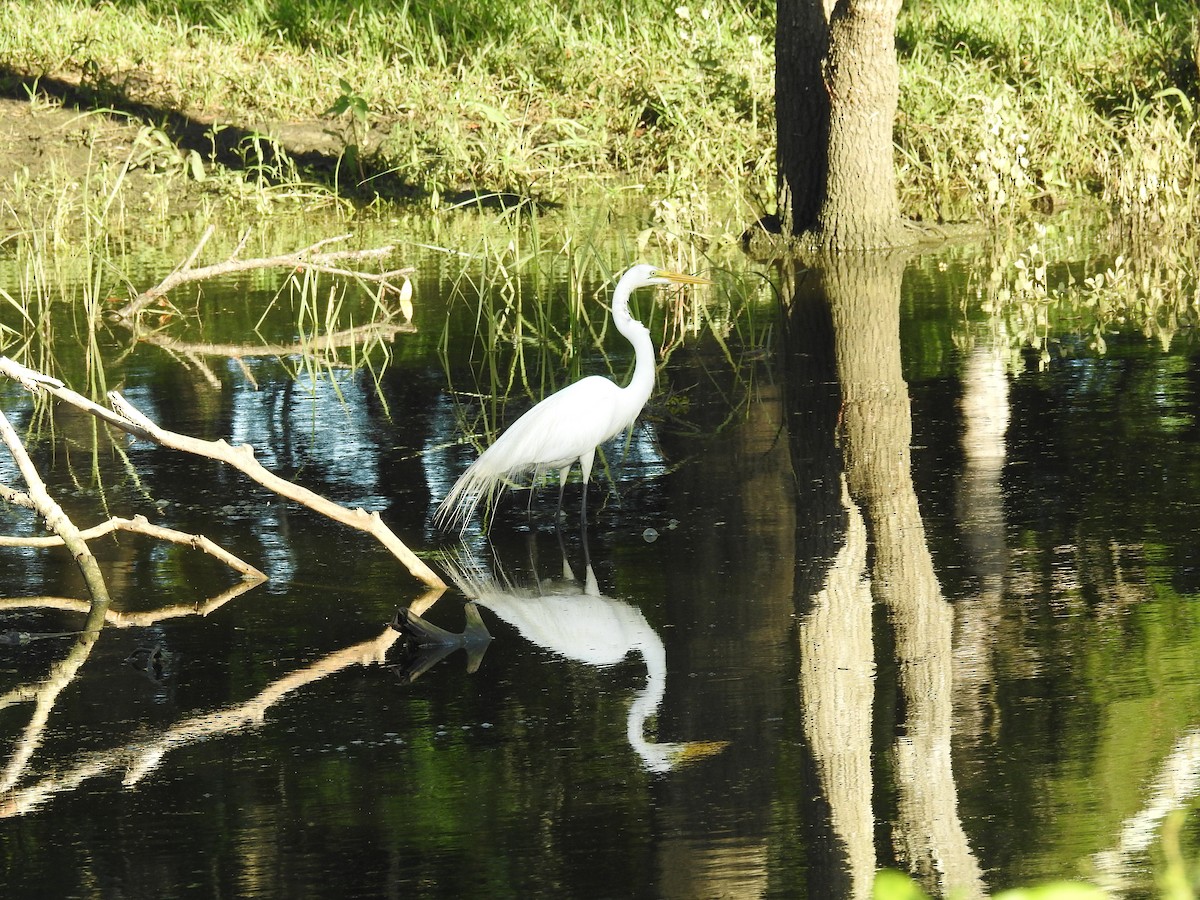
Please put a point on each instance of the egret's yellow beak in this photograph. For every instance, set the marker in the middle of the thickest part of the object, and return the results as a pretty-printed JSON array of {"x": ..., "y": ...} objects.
[
  {"x": 694, "y": 750},
  {"x": 681, "y": 278}
]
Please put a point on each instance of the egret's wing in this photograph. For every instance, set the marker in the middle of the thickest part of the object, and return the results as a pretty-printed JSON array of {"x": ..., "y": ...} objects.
[
  {"x": 551, "y": 435},
  {"x": 557, "y": 431}
]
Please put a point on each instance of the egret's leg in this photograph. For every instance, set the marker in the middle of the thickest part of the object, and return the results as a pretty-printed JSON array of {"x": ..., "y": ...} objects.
[
  {"x": 562, "y": 486},
  {"x": 568, "y": 573},
  {"x": 585, "y": 465},
  {"x": 587, "y": 554}
]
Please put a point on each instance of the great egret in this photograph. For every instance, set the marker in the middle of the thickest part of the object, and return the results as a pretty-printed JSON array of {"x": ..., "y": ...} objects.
[{"x": 571, "y": 423}]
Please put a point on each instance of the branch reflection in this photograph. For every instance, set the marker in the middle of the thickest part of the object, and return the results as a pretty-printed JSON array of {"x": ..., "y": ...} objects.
[{"x": 139, "y": 758}]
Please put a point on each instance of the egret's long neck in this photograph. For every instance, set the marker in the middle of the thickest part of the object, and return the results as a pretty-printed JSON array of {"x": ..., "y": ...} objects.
[
  {"x": 642, "y": 383},
  {"x": 658, "y": 757}
]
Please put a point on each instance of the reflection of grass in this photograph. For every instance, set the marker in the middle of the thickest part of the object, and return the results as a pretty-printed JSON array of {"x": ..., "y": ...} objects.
[
  {"x": 1056, "y": 298},
  {"x": 891, "y": 885},
  {"x": 1176, "y": 877}
]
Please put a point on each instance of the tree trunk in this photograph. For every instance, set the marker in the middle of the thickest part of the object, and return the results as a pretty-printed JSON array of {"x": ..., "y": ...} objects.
[
  {"x": 801, "y": 111},
  {"x": 837, "y": 89}
]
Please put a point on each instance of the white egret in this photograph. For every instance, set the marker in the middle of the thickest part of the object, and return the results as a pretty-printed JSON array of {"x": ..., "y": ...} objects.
[{"x": 571, "y": 423}]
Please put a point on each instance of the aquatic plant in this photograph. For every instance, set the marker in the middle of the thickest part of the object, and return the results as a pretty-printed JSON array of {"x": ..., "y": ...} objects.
[{"x": 1152, "y": 172}]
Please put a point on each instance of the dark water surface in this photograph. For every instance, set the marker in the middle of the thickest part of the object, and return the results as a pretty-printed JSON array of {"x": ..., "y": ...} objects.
[{"x": 699, "y": 697}]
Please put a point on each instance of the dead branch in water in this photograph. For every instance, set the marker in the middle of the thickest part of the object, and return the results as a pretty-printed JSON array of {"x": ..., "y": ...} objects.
[
  {"x": 311, "y": 257},
  {"x": 55, "y": 518},
  {"x": 141, "y": 525},
  {"x": 128, "y": 418}
]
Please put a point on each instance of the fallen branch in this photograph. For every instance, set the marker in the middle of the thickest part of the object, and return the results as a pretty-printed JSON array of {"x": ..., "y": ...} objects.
[
  {"x": 126, "y": 416},
  {"x": 140, "y": 525},
  {"x": 310, "y": 257},
  {"x": 242, "y": 458}
]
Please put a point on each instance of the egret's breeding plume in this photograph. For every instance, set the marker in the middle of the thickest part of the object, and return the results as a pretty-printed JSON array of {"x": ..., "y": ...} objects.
[{"x": 570, "y": 424}]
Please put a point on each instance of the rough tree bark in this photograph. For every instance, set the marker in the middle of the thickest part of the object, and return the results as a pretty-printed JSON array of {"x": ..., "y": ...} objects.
[{"x": 836, "y": 92}]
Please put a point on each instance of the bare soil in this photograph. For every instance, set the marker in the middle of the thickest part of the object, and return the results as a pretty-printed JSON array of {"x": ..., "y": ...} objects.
[
  {"x": 40, "y": 140},
  {"x": 67, "y": 135}
]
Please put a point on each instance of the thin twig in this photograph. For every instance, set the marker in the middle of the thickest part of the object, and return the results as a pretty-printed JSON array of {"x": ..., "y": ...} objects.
[
  {"x": 195, "y": 254},
  {"x": 307, "y": 258}
]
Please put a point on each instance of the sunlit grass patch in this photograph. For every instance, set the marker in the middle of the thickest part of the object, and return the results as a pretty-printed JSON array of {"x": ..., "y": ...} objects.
[
  {"x": 531, "y": 97},
  {"x": 1006, "y": 109},
  {"x": 1064, "y": 85}
]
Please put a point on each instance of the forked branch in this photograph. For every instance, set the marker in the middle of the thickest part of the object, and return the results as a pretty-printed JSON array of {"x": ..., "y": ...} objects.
[
  {"x": 312, "y": 257},
  {"x": 127, "y": 417}
]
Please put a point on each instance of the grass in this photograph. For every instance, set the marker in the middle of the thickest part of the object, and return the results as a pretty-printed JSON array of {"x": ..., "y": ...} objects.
[
  {"x": 1008, "y": 111},
  {"x": 1004, "y": 108},
  {"x": 534, "y": 97},
  {"x": 1077, "y": 91}
]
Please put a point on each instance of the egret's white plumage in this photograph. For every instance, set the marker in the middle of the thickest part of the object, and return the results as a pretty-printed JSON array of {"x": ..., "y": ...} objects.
[{"x": 570, "y": 424}]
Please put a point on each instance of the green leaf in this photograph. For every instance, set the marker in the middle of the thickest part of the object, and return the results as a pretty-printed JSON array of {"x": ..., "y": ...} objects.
[
  {"x": 196, "y": 165},
  {"x": 493, "y": 114},
  {"x": 890, "y": 885}
]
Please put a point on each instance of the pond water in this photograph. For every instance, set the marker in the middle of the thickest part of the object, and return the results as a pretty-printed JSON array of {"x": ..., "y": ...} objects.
[{"x": 863, "y": 590}]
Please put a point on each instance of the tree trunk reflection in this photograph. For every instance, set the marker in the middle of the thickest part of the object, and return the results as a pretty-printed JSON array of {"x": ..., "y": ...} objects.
[{"x": 863, "y": 297}]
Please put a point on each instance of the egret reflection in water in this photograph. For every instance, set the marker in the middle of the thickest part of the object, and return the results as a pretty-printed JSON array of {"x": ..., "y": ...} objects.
[{"x": 576, "y": 621}]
